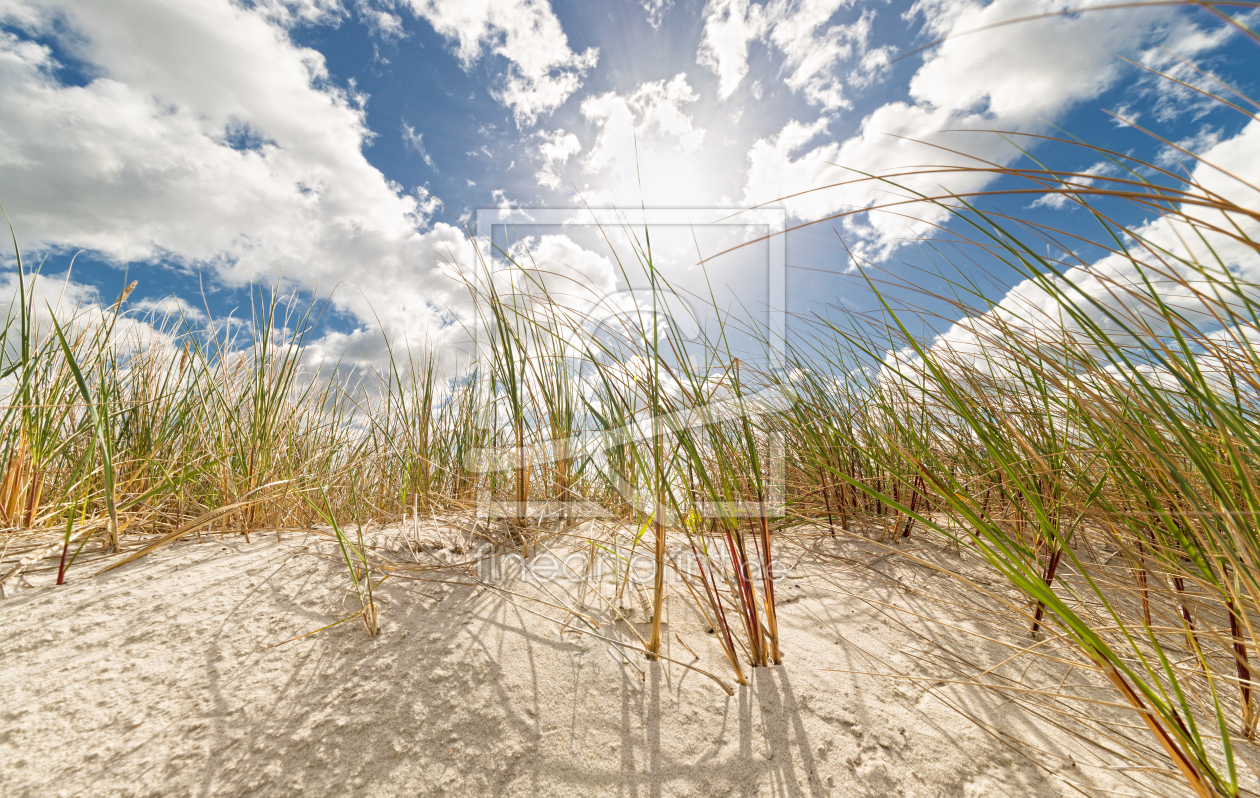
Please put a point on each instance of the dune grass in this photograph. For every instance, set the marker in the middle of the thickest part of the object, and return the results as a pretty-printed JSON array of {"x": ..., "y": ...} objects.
[{"x": 1098, "y": 448}]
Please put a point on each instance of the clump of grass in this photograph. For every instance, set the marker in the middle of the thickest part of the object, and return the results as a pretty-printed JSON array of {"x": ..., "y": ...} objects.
[
  {"x": 1116, "y": 412},
  {"x": 354, "y": 555}
]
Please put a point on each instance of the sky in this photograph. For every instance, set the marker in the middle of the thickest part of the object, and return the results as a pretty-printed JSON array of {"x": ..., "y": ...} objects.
[{"x": 340, "y": 148}]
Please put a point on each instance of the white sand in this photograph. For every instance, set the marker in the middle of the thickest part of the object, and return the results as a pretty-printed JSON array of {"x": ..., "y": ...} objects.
[{"x": 157, "y": 679}]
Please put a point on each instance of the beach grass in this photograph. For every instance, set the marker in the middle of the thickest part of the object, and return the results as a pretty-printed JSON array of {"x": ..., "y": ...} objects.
[{"x": 1096, "y": 445}]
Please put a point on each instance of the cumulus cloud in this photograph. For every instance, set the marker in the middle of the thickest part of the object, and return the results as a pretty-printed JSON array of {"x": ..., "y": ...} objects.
[
  {"x": 871, "y": 67},
  {"x": 1184, "y": 258},
  {"x": 651, "y": 110},
  {"x": 169, "y": 307},
  {"x": 555, "y": 147},
  {"x": 57, "y": 291},
  {"x": 207, "y": 138},
  {"x": 294, "y": 12},
  {"x": 542, "y": 70},
  {"x": 561, "y": 269},
  {"x": 79, "y": 308},
  {"x": 384, "y": 23},
  {"x": 1012, "y": 78},
  {"x": 1177, "y": 57},
  {"x": 1083, "y": 178},
  {"x": 812, "y": 49},
  {"x": 730, "y": 26},
  {"x": 647, "y": 147}
]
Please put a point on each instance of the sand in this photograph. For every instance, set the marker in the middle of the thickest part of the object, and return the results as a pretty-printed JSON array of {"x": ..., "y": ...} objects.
[{"x": 164, "y": 677}]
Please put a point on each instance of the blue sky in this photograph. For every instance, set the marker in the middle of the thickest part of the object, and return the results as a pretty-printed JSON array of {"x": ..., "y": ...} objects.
[{"x": 207, "y": 146}]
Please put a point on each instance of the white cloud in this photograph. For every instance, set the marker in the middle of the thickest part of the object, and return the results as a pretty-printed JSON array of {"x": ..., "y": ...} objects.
[
  {"x": 1231, "y": 169},
  {"x": 208, "y": 138},
  {"x": 656, "y": 10},
  {"x": 1207, "y": 138},
  {"x": 1012, "y": 78},
  {"x": 773, "y": 170},
  {"x": 812, "y": 49},
  {"x": 729, "y": 27},
  {"x": 1021, "y": 72},
  {"x": 171, "y": 306},
  {"x": 1113, "y": 287},
  {"x": 502, "y": 201},
  {"x": 555, "y": 147},
  {"x": 647, "y": 145},
  {"x": 426, "y": 204},
  {"x": 542, "y": 73},
  {"x": 1125, "y": 116},
  {"x": 294, "y": 12},
  {"x": 79, "y": 308},
  {"x": 652, "y": 110},
  {"x": 415, "y": 141},
  {"x": 572, "y": 276},
  {"x": 871, "y": 67},
  {"x": 382, "y": 22},
  {"x": 1177, "y": 57},
  {"x": 1083, "y": 178},
  {"x": 65, "y": 296}
]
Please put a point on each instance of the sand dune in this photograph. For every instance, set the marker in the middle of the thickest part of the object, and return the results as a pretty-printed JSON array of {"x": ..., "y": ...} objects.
[{"x": 164, "y": 678}]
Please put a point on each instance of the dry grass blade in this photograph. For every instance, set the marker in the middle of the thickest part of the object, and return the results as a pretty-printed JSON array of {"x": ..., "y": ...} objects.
[{"x": 200, "y": 522}]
